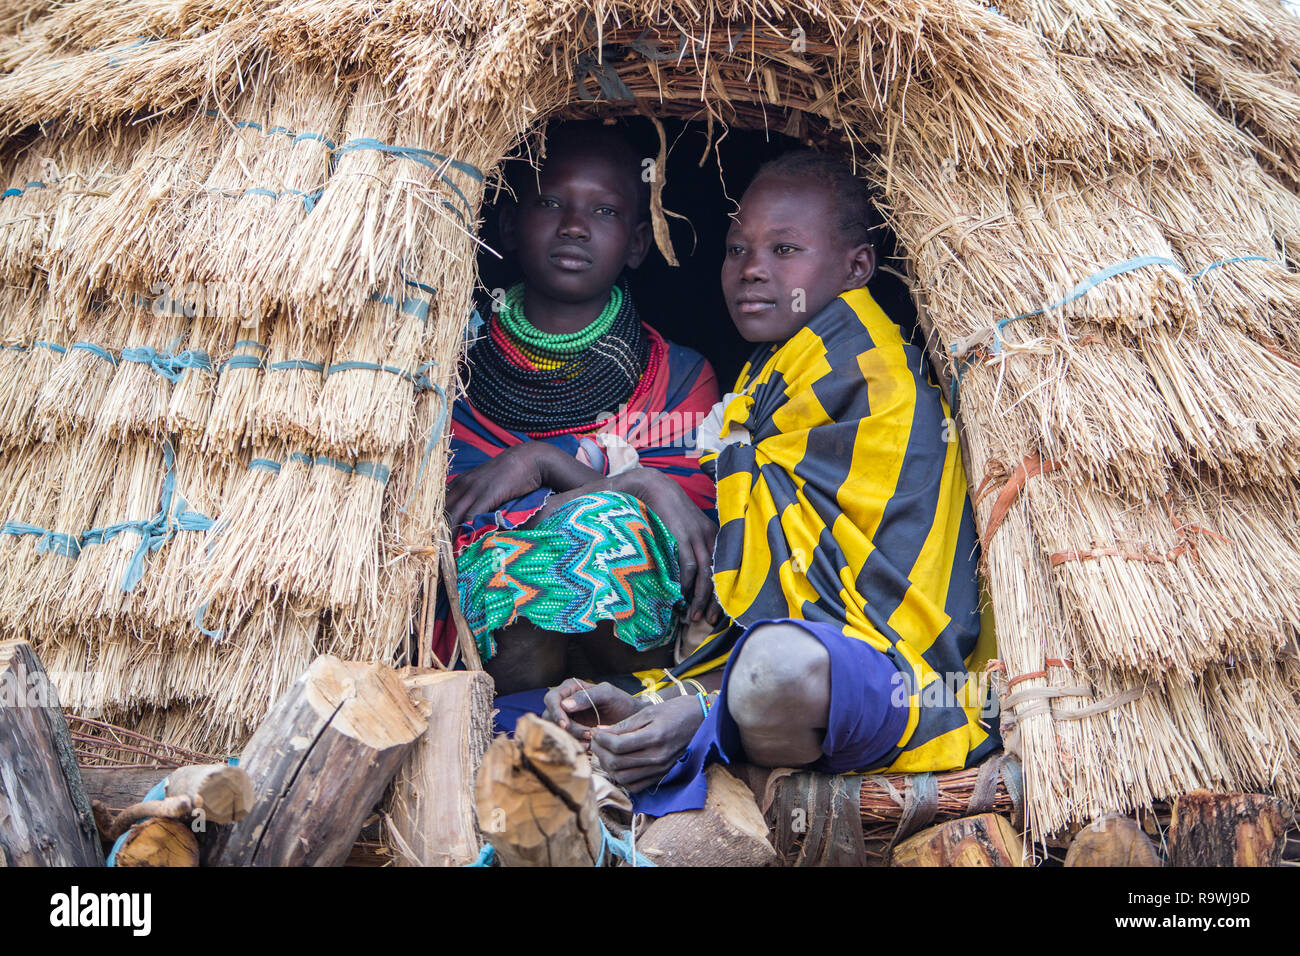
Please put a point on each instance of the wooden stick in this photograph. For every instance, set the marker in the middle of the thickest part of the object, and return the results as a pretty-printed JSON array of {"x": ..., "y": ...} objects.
[
  {"x": 984, "y": 840},
  {"x": 319, "y": 763},
  {"x": 170, "y": 808},
  {"x": 46, "y": 818},
  {"x": 158, "y": 841},
  {"x": 535, "y": 799},
  {"x": 728, "y": 831},
  {"x": 431, "y": 808},
  {"x": 1227, "y": 829}
]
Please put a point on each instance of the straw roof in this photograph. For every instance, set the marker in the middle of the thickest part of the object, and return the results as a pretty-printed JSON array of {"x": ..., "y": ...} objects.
[{"x": 237, "y": 253}]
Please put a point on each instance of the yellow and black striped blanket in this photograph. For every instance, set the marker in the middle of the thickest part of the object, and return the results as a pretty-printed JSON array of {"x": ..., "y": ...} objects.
[{"x": 842, "y": 498}]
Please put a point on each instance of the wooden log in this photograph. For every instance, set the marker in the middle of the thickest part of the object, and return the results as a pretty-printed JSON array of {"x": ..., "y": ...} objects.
[
  {"x": 983, "y": 840},
  {"x": 1227, "y": 829},
  {"x": 431, "y": 811},
  {"x": 1112, "y": 840},
  {"x": 158, "y": 841},
  {"x": 319, "y": 763},
  {"x": 223, "y": 793},
  {"x": 728, "y": 831},
  {"x": 119, "y": 787},
  {"x": 535, "y": 800},
  {"x": 170, "y": 808},
  {"x": 45, "y": 815}
]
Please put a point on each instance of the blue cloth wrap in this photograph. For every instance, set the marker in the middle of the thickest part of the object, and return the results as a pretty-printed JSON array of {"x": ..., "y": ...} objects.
[{"x": 868, "y": 714}]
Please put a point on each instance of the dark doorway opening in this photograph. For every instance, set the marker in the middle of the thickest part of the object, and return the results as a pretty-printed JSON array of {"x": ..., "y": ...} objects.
[{"x": 685, "y": 303}]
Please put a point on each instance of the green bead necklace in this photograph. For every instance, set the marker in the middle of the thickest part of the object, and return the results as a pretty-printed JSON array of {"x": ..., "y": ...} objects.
[{"x": 551, "y": 344}]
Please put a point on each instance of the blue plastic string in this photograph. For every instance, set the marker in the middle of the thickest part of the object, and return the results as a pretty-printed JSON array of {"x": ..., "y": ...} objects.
[
  {"x": 416, "y": 378},
  {"x": 302, "y": 458},
  {"x": 301, "y": 364},
  {"x": 264, "y": 464},
  {"x": 18, "y": 191},
  {"x": 964, "y": 359},
  {"x": 425, "y": 157},
  {"x": 336, "y": 463},
  {"x": 94, "y": 349},
  {"x": 435, "y": 436},
  {"x": 372, "y": 469},
  {"x": 245, "y": 361}
]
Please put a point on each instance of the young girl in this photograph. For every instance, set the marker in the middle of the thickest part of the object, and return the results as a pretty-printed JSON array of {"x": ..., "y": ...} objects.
[{"x": 575, "y": 493}]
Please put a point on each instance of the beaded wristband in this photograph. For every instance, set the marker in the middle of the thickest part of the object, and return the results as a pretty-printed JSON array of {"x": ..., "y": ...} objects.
[{"x": 705, "y": 703}]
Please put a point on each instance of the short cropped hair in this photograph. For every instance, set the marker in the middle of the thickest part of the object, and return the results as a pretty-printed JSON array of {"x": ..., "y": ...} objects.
[
  {"x": 591, "y": 138},
  {"x": 857, "y": 218}
]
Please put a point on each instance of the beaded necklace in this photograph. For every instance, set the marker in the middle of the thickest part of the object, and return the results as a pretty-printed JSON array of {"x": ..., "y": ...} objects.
[{"x": 545, "y": 384}]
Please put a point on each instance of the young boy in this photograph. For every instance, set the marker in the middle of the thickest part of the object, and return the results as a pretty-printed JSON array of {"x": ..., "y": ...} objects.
[
  {"x": 574, "y": 492},
  {"x": 846, "y": 547}
]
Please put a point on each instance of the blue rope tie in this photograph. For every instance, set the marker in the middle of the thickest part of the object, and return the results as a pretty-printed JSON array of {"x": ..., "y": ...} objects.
[
  {"x": 435, "y": 436},
  {"x": 264, "y": 464},
  {"x": 486, "y": 856},
  {"x": 372, "y": 469},
  {"x": 335, "y": 463},
  {"x": 962, "y": 353},
  {"x": 425, "y": 157},
  {"x": 18, "y": 191},
  {"x": 301, "y": 364},
  {"x": 416, "y": 378},
  {"x": 94, "y": 349}
]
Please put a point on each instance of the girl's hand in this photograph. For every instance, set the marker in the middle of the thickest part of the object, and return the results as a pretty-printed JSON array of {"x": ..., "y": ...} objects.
[{"x": 512, "y": 473}]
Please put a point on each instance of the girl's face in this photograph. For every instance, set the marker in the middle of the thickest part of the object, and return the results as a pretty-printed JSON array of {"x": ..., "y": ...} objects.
[{"x": 786, "y": 259}]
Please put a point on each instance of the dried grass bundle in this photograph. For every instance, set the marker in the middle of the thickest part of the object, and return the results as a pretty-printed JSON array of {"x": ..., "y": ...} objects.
[
  {"x": 33, "y": 481},
  {"x": 191, "y": 399},
  {"x": 256, "y": 244},
  {"x": 336, "y": 260},
  {"x": 26, "y": 208},
  {"x": 229, "y": 426},
  {"x": 140, "y": 77},
  {"x": 137, "y": 397},
  {"x": 31, "y": 350},
  {"x": 167, "y": 589},
  {"x": 95, "y": 597},
  {"x": 1141, "y": 32},
  {"x": 1252, "y": 705},
  {"x": 300, "y": 558},
  {"x": 369, "y": 391},
  {"x": 291, "y": 389},
  {"x": 1220, "y": 388},
  {"x": 73, "y": 395},
  {"x": 226, "y": 572},
  {"x": 124, "y": 246},
  {"x": 261, "y": 662},
  {"x": 84, "y": 478}
]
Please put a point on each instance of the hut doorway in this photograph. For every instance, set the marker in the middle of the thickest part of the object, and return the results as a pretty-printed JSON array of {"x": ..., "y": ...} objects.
[{"x": 706, "y": 176}]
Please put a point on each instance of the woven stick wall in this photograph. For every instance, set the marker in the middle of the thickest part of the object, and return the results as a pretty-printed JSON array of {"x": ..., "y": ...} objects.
[{"x": 1118, "y": 180}]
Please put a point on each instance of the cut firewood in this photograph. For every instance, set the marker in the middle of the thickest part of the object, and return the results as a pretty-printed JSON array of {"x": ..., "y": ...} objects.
[
  {"x": 119, "y": 787},
  {"x": 535, "y": 800},
  {"x": 224, "y": 793},
  {"x": 1112, "y": 840},
  {"x": 431, "y": 811},
  {"x": 728, "y": 831},
  {"x": 45, "y": 815},
  {"x": 1227, "y": 829},
  {"x": 319, "y": 763},
  {"x": 983, "y": 840},
  {"x": 158, "y": 841},
  {"x": 169, "y": 808}
]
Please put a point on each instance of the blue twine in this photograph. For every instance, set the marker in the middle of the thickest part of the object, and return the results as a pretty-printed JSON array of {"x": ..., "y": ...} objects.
[
  {"x": 336, "y": 463},
  {"x": 416, "y": 378},
  {"x": 486, "y": 856},
  {"x": 621, "y": 848},
  {"x": 18, "y": 191},
  {"x": 94, "y": 349},
  {"x": 416, "y": 307},
  {"x": 245, "y": 361},
  {"x": 372, "y": 469},
  {"x": 302, "y": 364},
  {"x": 1120, "y": 268},
  {"x": 425, "y": 157},
  {"x": 302, "y": 458},
  {"x": 264, "y": 464}
]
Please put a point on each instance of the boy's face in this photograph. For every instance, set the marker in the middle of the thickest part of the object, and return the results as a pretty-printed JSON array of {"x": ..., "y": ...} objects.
[
  {"x": 578, "y": 231},
  {"x": 786, "y": 259}
]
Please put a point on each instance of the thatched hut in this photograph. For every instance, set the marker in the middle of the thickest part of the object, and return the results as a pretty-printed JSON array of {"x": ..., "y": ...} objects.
[{"x": 239, "y": 244}]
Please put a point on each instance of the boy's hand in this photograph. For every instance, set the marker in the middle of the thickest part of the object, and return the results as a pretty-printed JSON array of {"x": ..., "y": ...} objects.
[
  {"x": 640, "y": 749},
  {"x": 694, "y": 532},
  {"x": 578, "y": 706}
]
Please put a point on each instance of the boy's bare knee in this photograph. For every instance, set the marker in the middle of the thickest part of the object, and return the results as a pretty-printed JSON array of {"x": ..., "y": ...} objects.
[{"x": 779, "y": 694}]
